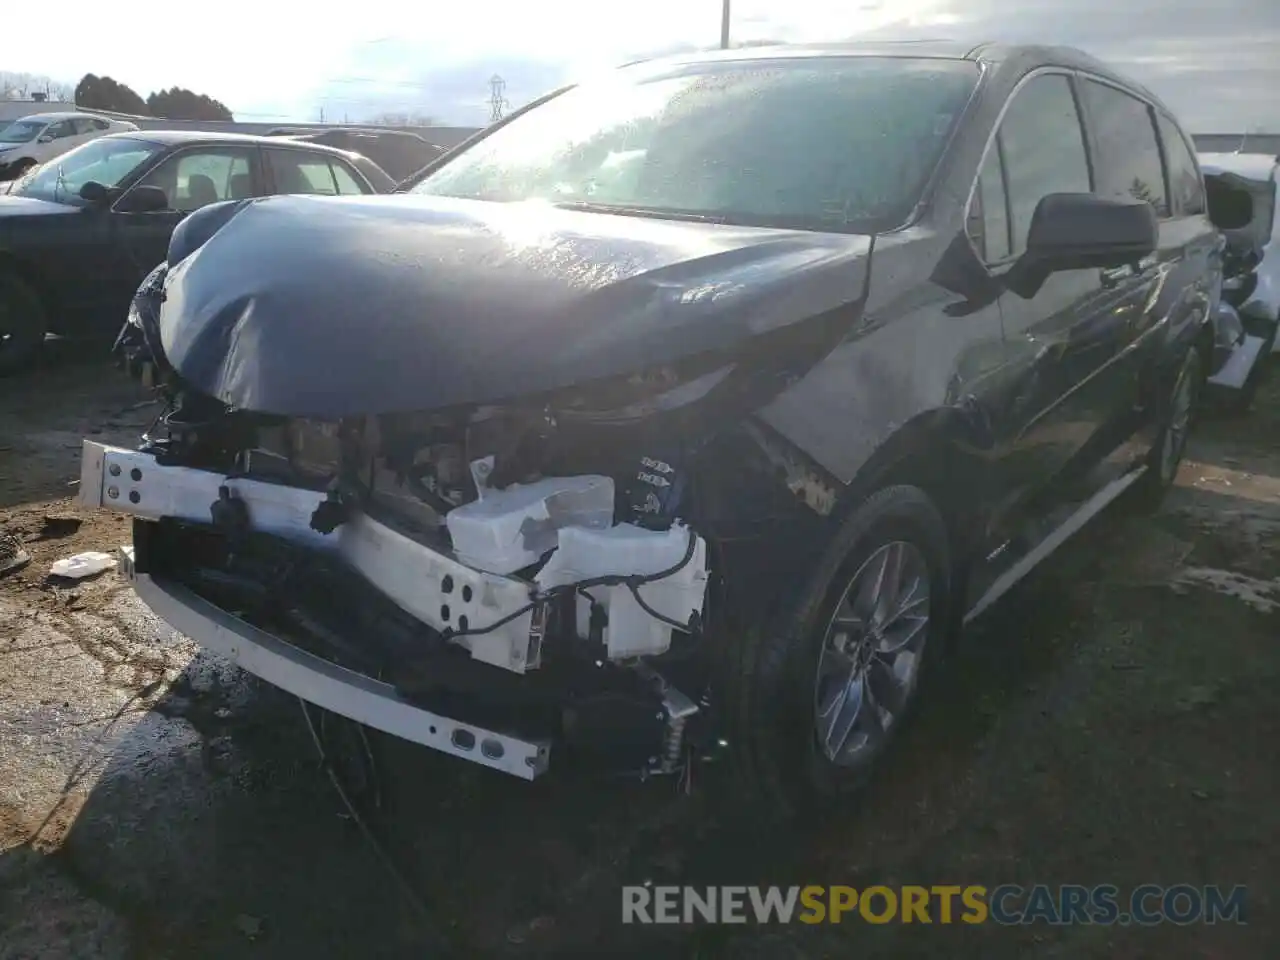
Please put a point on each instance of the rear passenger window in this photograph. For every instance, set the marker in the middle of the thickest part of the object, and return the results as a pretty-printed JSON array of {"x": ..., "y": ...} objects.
[
  {"x": 1129, "y": 165},
  {"x": 297, "y": 172},
  {"x": 1042, "y": 145},
  {"x": 348, "y": 185},
  {"x": 1186, "y": 187}
]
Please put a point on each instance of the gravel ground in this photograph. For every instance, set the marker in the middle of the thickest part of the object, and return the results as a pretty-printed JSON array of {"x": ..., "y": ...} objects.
[{"x": 1113, "y": 721}]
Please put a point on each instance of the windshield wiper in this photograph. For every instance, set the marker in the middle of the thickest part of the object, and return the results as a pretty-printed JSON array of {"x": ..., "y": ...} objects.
[
  {"x": 57, "y": 184},
  {"x": 657, "y": 213}
]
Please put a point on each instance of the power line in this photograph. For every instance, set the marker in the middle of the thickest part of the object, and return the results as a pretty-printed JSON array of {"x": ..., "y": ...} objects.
[{"x": 418, "y": 84}]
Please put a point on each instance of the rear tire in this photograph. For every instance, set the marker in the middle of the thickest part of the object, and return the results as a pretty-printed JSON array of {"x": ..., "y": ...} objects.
[
  {"x": 1178, "y": 416},
  {"x": 789, "y": 691},
  {"x": 22, "y": 324}
]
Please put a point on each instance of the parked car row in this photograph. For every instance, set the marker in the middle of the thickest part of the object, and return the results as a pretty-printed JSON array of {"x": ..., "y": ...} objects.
[
  {"x": 401, "y": 153},
  {"x": 78, "y": 234},
  {"x": 685, "y": 416}
]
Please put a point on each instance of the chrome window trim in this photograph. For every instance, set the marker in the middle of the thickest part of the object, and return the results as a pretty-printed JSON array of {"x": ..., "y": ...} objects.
[
  {"x": 1032, "y": 74},
  {"x": 1071, "y": 73}
]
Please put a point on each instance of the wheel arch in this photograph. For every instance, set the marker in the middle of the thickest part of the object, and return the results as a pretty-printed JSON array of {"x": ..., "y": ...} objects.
[
  {"x": 941, "y": 453},
  {"x": 30, "y": 274}
]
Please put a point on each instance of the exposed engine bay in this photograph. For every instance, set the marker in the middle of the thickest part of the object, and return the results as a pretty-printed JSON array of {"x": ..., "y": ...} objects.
[
  {"x": 545, "y": 568},
  {"x": 606, "y": 546}
]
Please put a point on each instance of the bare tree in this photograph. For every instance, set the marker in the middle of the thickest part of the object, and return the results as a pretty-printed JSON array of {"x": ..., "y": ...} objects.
[
  {"x": 402, "y": 118},
  {"x": 26, "y": 86}
]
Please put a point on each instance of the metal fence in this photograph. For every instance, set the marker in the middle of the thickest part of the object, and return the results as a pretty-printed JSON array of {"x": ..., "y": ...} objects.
[
  {"x": 17, "y": 109},
  {"x": 1238, "y": 143}
]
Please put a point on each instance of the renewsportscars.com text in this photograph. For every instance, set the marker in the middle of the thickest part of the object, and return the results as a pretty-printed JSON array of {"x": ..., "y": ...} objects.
[{"x": 1008, "y": 904}]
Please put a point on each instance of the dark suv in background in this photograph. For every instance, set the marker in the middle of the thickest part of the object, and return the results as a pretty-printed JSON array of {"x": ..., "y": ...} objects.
[
  {"x": 79, "y": 233},
  {"x": 689, "y": 411}
]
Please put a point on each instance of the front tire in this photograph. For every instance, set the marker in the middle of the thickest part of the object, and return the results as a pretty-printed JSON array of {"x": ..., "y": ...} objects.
[
  {"x": 813, "y": 703},
  {"x": 22, "y": 324}
]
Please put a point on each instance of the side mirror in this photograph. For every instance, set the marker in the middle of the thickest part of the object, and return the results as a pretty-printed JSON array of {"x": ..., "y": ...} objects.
[
  {"x": 1078, "y": 231},
  {"x": 143, "y": 199},
  {"x": 94, "y": 193},
  {"x": 45, "y": 138}
]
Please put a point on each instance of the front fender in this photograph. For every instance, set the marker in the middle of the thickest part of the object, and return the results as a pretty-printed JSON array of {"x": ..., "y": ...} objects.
[{"x": 138, "y": 345}]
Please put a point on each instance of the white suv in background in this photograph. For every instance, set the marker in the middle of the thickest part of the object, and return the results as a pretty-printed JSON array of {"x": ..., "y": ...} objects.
[{"x": 36, "y": 139}]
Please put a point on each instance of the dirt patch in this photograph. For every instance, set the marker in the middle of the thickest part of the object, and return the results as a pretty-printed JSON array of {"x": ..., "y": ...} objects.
[
  {"x": 1112, "y": 722},
  {"x": 44, "y": 417}
]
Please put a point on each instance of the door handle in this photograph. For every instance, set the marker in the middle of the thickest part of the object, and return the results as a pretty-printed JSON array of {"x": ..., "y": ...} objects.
[{"x": 1117, "y": 275}]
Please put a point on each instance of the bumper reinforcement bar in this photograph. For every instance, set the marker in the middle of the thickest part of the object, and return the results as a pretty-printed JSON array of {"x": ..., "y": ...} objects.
[
  {"x": 429, "y": 584},
  {"x": 316, "y": 680}
]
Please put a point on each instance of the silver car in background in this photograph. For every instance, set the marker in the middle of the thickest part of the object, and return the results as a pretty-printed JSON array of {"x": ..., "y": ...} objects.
[{"x": 1241, "y": 190}]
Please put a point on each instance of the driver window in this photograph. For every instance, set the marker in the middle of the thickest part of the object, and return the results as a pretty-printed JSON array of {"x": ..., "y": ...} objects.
[
  {"x": 63, "y": 128},
  {"x": 1042, "y": 146},
  {"x": 197, "y": 178}
]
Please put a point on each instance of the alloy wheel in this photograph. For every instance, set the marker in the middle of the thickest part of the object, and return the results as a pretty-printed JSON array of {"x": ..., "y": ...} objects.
[
  {"x": 871, "y": 653},
  {"x": 1175, "y": 437}
]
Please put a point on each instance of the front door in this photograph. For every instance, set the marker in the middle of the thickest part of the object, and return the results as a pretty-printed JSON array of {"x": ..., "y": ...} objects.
[
  {"x": 1067, "y": 345},
  {"x": 192, "y": 178},
  {"x": 56, "y": 140}
]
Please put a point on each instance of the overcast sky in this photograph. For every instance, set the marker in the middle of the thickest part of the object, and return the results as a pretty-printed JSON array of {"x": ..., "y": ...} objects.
[{"x": 1217, "y": 62}]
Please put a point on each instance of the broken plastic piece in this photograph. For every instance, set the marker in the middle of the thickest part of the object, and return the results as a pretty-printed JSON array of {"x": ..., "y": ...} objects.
[
  {"x": 82, "y": 565},
  {"x": 512, "y": 528},
  {"x": 12, "y": 554},
  {"x": 628, "y": 551}
]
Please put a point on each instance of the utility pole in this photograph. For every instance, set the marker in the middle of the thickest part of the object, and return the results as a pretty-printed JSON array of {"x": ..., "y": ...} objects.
[{"x": 724, "y": 25}]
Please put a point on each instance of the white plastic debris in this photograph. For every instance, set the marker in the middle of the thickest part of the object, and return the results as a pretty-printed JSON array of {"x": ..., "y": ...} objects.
[
  {"x": 82, "y": 565},
  {"x": 505, "y": 530},
  {"x": 627, "y": 550}
]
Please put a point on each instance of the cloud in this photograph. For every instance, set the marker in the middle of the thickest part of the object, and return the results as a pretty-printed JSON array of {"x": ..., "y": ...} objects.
[{"x": 1214, "y": 63}]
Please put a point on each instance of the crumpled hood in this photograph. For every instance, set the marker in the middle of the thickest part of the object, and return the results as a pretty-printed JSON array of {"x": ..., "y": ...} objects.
[{"x": 326, "y": 307}]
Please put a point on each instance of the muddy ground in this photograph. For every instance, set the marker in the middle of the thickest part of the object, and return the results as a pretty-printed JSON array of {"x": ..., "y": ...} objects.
[{"x": 1114, "y": 720}]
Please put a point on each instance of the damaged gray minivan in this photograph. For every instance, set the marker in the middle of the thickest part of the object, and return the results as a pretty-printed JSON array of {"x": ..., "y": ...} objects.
[{"x": 687, "y": 412}]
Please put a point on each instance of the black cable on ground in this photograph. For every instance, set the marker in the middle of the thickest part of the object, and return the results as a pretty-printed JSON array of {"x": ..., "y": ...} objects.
[{"x": 434, "y": 941}]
